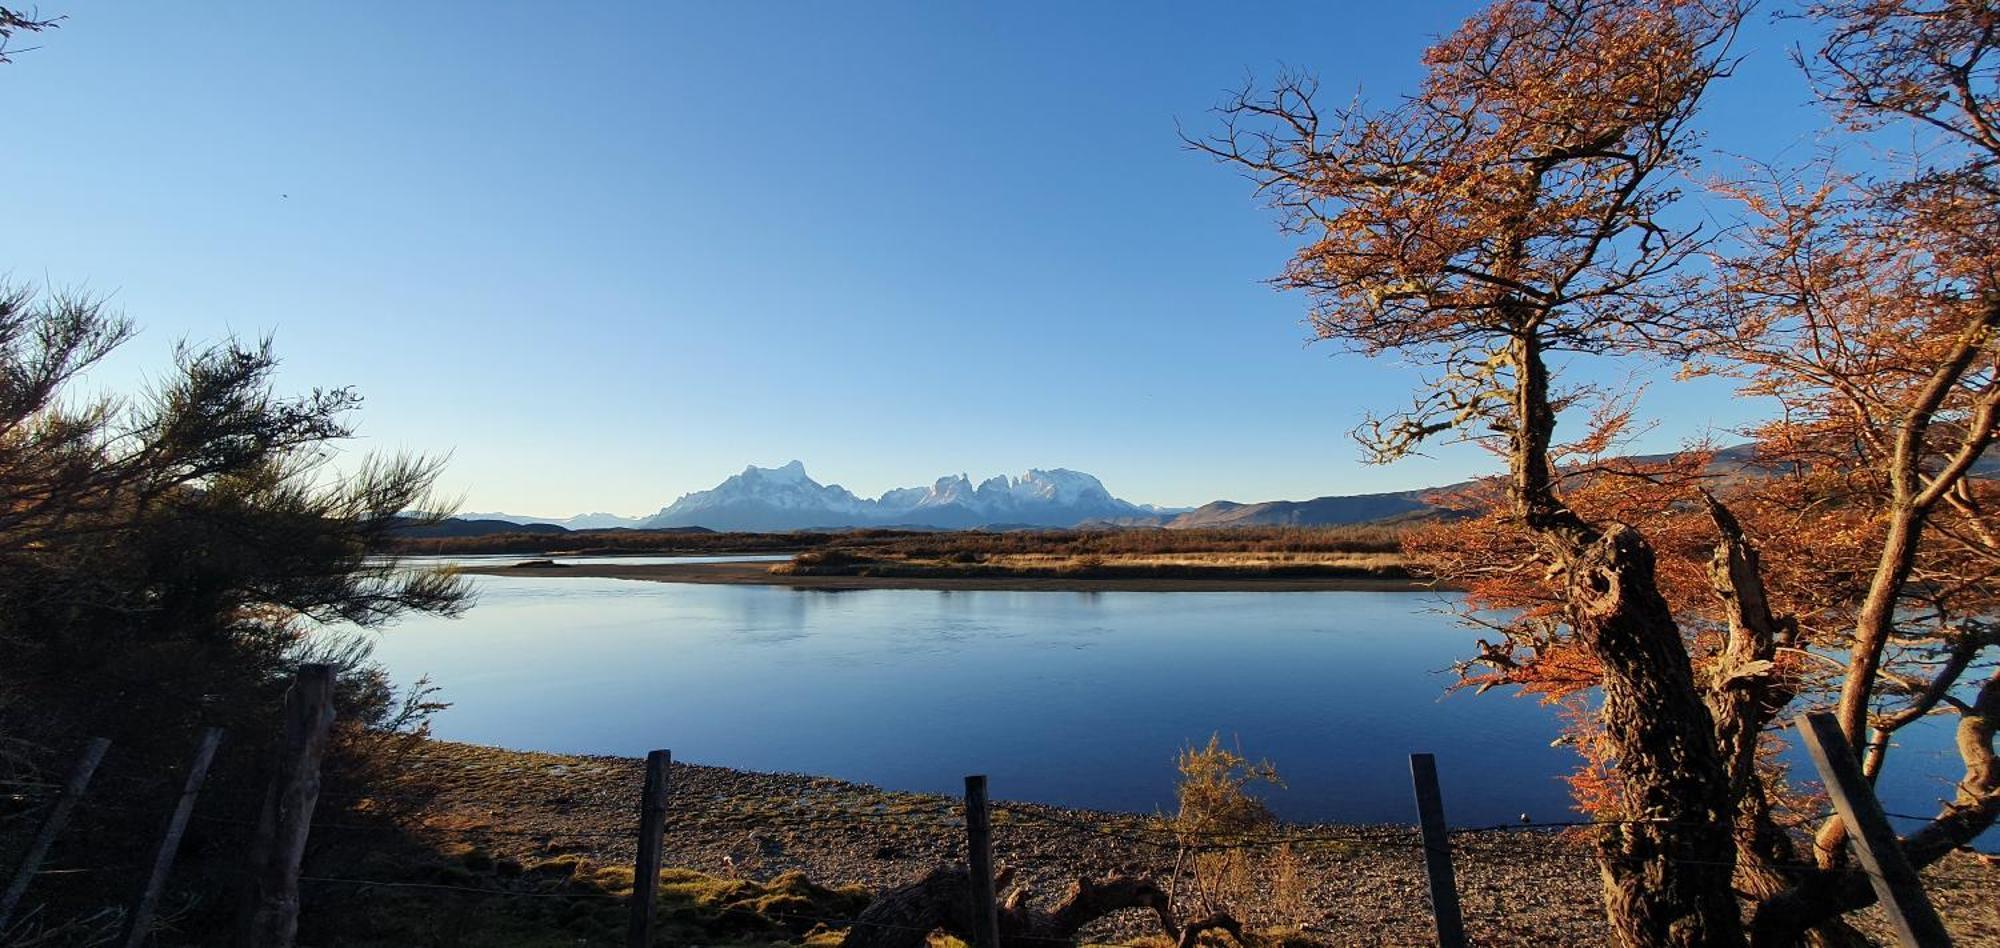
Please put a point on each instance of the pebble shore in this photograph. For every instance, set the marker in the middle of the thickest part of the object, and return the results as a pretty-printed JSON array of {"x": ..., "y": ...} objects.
[{"x": 1351, "y": 885}]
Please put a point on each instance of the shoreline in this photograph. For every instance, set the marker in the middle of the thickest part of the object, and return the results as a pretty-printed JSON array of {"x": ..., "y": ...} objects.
[
  {"x": 759, "y": 574},
  {"x": 1353, "y": 884}
]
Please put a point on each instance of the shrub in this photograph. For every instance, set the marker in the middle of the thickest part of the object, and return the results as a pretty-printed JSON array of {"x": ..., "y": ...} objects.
[
  {"x": 1216, "y": 809},
  {"x": 167, "y": 560}
]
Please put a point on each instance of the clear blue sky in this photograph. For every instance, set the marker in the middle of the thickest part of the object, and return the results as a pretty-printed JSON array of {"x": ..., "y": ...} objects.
[{"x": 608, "y": 253}]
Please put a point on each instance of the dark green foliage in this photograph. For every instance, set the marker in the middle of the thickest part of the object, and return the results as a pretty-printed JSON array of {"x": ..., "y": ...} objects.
[
  {"x": 167, "y": 559},
  {"x": 163, "y": 553},
  {"x": 14, "y": 22}
]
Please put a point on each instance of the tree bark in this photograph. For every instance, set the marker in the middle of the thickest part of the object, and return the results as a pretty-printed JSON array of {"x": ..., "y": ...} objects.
[
  {"x": 1745, "y": 693},
  {"x": 1909, "y": 510},
  {"x": 1667, "y": 880},
  {"x": 1910, "y": 505}
]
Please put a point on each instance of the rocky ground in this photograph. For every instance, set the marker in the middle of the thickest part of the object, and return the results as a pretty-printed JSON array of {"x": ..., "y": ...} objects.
[{"x": 1343, "y": 885}]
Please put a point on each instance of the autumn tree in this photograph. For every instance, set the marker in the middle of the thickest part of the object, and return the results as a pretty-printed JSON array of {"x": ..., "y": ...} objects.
[
  {"x": 1864, "y": 306},
  {"x": 1508, "y": 212},
  {"x": 1512, "y": 209},
  {"x": 1867, "y": 306}
]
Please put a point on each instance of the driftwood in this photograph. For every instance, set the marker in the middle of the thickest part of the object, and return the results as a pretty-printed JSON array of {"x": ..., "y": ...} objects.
[{"x": 942, "y": 901}]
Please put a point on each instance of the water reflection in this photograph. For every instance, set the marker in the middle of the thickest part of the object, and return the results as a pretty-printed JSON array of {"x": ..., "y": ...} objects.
[{"x": 1062, "y": 697}]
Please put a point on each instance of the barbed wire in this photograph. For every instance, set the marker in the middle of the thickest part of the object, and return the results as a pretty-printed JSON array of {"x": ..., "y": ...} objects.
[
  {"x": 1172, "y": 838},
  {"x": 1499, "y": 914},
  {"x": 34, "y": 784},
  {"x": 1476, "y": 845},
  {"x": 1134, "y": 830}
]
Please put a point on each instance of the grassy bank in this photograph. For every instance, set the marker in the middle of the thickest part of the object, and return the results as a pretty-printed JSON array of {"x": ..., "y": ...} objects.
[
  {"x": 1097, "y": 566},
  {"x": 1364, "y": 551},
  {"x": 1350, "y": 552}
]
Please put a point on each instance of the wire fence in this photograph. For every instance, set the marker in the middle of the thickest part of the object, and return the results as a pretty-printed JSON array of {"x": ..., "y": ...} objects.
[
  {"x": 1485, "y": 846},
  {"x": 1044, "y": 841}
]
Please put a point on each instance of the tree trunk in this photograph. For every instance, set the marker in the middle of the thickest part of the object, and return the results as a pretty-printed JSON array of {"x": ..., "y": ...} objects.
[
  {"x": 1874, "y": 622},
  {"x": 1745, "y": 692},
  {"x": 1667, "y": 880}
]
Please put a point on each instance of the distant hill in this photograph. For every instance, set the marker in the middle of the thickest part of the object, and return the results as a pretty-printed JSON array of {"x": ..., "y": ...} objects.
[
  {"x": 589, "y": 521},
  {"x": 1738, "y": 461},
  {"x": 454, "y": 528},
  {"x": 1320, "y": 511}
]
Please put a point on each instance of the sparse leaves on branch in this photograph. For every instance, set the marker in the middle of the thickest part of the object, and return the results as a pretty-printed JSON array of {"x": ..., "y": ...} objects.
[{"x": 1515, "y": 208}]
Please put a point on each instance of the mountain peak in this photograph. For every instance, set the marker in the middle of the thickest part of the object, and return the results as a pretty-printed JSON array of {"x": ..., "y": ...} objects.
[
  {"x": 785, "y": 498},
  {"x": 793, "y": 470}
]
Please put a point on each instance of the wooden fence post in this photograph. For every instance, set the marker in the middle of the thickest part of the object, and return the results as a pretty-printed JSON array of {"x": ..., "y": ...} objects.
[
  {"x": 140, "y": 924},
  {"x": 646, "y": 867},
  {"x": 1896, "y": 883},
  {"x": 1437, "y": 852},
  {"x": 272, "y": 916},
  {"x": 979, "y": 863},
  {"x": 72, "y": 791}
]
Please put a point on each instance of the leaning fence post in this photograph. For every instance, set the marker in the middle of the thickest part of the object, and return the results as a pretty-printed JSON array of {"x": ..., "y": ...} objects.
[
  {"x": 272, "y": 919},
  {"x": 72, "y": 791},
  {"x": 979, "y": 862},
  {"x": 1896, "y": 883},
  {"x": 140, "y": 924},
  {"x": 1437, "y": 852},
  {"x": 646, "y": 867}
]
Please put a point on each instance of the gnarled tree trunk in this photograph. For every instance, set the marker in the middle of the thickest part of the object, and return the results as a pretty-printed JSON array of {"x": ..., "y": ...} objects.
[
  {"x": 1745, "y": 693},
  {"x": 942, "y": 901},
  {"x": 1667, "y": 873}
]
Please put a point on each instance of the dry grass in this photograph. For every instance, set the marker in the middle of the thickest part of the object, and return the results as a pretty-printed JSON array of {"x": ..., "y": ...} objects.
[
  {"x": 1131, "y": 542},
  {"x": 1360, "y": 538},
  {"x": 887, "y": 562},
  {"x": 1362, "y": 561}
]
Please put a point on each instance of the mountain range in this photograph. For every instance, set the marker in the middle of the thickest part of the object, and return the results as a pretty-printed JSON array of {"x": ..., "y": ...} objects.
[
  {"x": 786, "y": 498},
  {"x": 771, "y": 499}
]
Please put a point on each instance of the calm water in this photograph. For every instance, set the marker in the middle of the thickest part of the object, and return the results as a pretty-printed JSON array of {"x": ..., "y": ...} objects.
[{"x": 1061, "y": 697}]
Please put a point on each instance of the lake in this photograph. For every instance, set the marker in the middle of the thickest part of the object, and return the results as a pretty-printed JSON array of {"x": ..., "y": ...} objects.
[{"x": 1070, "y": 698}]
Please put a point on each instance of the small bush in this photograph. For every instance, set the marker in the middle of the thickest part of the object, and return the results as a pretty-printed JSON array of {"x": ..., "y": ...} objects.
[{"x": 1217, "y": 808}]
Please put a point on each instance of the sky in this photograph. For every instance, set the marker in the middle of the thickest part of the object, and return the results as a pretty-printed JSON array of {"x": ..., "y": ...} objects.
[{"x": 605, "y": 254}]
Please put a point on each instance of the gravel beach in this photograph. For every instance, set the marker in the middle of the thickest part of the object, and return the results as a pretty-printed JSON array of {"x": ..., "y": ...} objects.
[{"x": 1351, "y": 885}]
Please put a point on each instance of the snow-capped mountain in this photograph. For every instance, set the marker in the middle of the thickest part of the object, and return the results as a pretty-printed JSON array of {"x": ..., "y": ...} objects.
[{"x": 786, "y": 498}]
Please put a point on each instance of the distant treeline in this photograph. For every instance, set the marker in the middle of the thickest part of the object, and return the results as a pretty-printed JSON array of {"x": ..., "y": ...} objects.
[
  {"x": 1361, "y": 538},
  {"x": 634, "y": 542},
  {"x": 1358, "y": 538}
]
